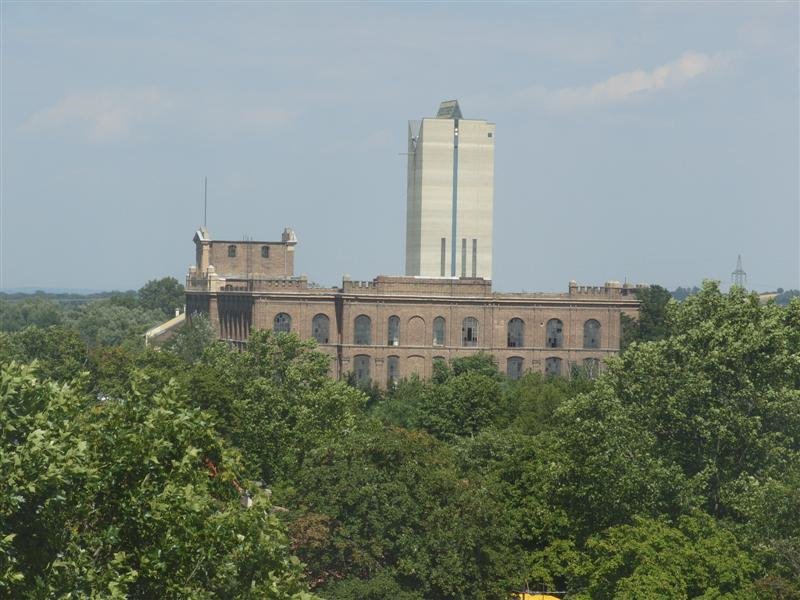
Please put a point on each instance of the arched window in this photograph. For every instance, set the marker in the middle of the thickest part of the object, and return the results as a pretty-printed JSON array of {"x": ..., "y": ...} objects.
[
  {"x": 320, "y": 328},
  {"x": 392, "y": 370},
  {"x": 264, "y": 251},
  {"x": 591, "y": 334},
  {"x": 438, "y": 331},
  {"x": 469, "y": 332},
  {"x": 555, "y": 333},
  {"x": 232, "y": 251},
  {"x": 282, "y": 323},
  {"x": 362, "y": 333},
  {"x": 552, "y": 366},
  {"x": 514, "y": 367},
  {"x": 361, "y": 368},
  {"x": 592, "y": 367},
  {"x": 393, "y": 339},
  {"x": 516, "y": 333}
]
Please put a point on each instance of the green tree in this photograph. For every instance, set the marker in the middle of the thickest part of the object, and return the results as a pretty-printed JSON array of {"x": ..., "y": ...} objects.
[
  {"x": 401, "y": 404},
  {"x": 530, "y": 402},
  {"x": 651, "y": 324},
  {"x": 59, "y": 352},
  {"x": 193, "y": 338},
  {"x": 103, "y": 323},
  {"x": 481, "y": 363},
  {"x": 39, "y": 312},
  {"x": 391, "y": 505},
  {"x": 785, "y": 296},
  {"x": 720, "y": 392},
  {"x": 462, "y": 405},
  {"x": 284, "y": 401},
  {"x": 608, "y": 466},
  {"x": 681, "y": 293},
  {"x": 695, "y": 558},
  {"x": 164, "y": 294},
  {"x": 119, "y": 499}
]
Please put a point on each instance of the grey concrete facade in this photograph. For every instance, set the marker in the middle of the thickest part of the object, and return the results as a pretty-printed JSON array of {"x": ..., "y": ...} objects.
[{"x": 450, "y": 197}]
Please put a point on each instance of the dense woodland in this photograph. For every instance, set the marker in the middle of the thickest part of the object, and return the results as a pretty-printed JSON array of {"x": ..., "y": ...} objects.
[{"x": 125, "y": 471}]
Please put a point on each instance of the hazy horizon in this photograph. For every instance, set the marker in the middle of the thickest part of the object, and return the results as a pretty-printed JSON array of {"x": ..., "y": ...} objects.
[{"x": 647, "y": 142}]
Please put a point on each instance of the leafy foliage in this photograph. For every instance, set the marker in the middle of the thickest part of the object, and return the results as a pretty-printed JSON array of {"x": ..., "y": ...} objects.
[
  {"x": 284, "y": 404},
  {"x": 651, "y": 324},
  {"x": 33, "y": 311},
  {"x": 164, "y": 295},
  {"x": 392, "y": 504},
  {"x": 193, "y": 338},
  {"x": 59, "y": 351},
  {"x": 675, "y": 474},
  {"x": 113, "y": 498},
  {"x": 694, "y": 558}
]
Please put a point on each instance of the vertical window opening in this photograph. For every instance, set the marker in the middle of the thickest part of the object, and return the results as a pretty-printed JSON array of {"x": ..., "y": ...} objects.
[
  {"x": 474, "y": 257},
  {"x": 591, "y": 334},
  {"x": 514, "y": 367},
  {"x": 464, "y": 257},
  {"x": 552, "y": 366},
  {"x": 282, "y": 323},
  {"x": 469, "y": 332},
  {"x": 438, "y": 331},
  {"x": 392, "y": 370},
  {"x": 444, "y": 252},
  {"x": 363, "y": 331},
  {"x": 393, "y": 339},
  {"x": 555, "y": 333},
  {"x": 361, "y": 369},
  {"x": 591, "y": 367},
  {"x": 516, "y": 333},
  {"x": 320, "y": 328}
]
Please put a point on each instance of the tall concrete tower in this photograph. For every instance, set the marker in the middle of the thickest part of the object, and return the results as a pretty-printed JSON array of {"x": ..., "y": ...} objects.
[{"x": 450, "y": 195}]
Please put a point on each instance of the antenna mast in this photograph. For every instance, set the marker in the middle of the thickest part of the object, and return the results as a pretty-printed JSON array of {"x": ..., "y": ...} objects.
[
  {"x": 205, "y": 201},
  {"x": 739, "y": 277}
]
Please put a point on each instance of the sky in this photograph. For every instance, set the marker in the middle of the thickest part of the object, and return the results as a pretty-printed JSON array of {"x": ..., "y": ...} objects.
[{"x": 647, "y": 142}]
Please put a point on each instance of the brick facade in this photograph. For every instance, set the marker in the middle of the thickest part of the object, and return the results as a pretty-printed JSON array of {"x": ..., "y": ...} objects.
[{"x": 237, "y": 304}]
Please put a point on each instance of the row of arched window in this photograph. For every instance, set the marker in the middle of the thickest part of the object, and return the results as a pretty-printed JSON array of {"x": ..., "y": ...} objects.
[
  {"x": 515, "y": 366},
  {"x": 362, "y": 331}
]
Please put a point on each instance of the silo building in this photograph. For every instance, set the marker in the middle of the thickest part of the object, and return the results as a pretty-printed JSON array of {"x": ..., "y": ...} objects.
[{"x": 450, "y": 195}]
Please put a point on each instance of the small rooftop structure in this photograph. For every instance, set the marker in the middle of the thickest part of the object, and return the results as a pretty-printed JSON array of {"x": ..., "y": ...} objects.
[{"x": 449, "y": 109}]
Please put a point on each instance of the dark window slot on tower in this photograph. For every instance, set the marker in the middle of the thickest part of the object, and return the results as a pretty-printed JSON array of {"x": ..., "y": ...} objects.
[
  {"x": 464, "y": 257},
  {"x": 474, "y": 257},
  {"x": 444, "y": 251}
]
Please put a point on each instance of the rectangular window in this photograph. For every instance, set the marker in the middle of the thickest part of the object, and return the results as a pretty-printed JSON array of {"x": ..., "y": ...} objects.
[
  {"x": 474, "y": 257},
  {"x": 464, "y": 257},
  {"x": 444, "y": 247}
]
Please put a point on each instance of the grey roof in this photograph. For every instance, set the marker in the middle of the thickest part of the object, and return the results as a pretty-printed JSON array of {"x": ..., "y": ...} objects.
[{"x": 449, "y": 109}]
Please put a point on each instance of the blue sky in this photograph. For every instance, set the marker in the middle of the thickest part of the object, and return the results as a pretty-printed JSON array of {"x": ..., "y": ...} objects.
[{"x": 650, "y": 141}]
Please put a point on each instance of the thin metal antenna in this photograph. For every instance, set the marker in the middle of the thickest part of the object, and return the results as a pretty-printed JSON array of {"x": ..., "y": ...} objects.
[{"x": 205, "y": 202}]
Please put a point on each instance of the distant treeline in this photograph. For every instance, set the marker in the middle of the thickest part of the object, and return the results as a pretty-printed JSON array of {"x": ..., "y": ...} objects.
[
  {"x": 782, "y": 297},
  {"x": 101, "y": 319}
]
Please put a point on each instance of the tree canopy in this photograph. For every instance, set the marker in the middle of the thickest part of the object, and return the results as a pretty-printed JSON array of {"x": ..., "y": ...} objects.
[{"x": 673, "y": 474}]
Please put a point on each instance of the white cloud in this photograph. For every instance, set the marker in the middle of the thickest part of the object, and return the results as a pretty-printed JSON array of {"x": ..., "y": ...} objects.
[
  {"x": 104, "y": 115},
  {"x": 111, "y": 115},
  {"x": 626, "y": 86}
]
